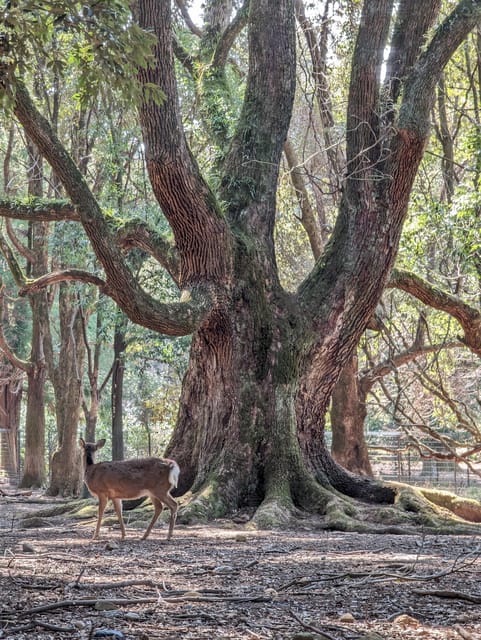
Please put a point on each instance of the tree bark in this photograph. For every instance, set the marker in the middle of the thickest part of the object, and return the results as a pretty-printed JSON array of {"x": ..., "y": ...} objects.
[
  {"x": 10, "y": 403},
  {"x": 34, "y": 472},
  {"x": 348, "y": 415},
  {"x": 117, "y": 395},
  {"x": 66, "y": 469}
]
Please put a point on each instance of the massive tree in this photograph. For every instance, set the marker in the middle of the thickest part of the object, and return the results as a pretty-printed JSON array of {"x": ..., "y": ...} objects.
[{"x": 264, "y": 361}]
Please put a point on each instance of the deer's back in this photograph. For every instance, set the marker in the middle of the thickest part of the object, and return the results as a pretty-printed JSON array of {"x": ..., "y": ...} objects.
[{"x": 128, "y": 479}]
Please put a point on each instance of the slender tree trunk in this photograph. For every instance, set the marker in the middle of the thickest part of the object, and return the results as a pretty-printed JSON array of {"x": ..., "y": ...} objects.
[
  {"x": 117, "y": 396},
  {"x": 348, "y": 413},
  {"x": 34, "y": 473},
  {"x": 66, "y": 472},
  {"x": 10, "y": 402},
  {"x": 34, "y": 462}
]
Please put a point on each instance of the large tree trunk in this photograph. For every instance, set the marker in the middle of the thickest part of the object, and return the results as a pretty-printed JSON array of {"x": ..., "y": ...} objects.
[{"x": 236, "y": 434}]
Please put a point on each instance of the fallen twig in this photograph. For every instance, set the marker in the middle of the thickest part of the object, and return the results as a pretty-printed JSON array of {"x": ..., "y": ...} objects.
[
  {"x": 82, "y": 602},
  {"x": 454, "y": 595},
  {"x": 186, "y": 596},
  {"x": 463, "y": 633},
  {"x": 44, "y": 625},
  {"x": 311, "y": 627}
]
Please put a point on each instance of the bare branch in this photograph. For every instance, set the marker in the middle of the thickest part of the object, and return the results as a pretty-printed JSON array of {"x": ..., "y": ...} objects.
[
  {"x": 187, "y": 19},
  {"x": 420, "y": 86},
  {"x": 22, "y": 249},
  {"x": 384, "y": 368},
  {"x": 33, "y": 286},
  {"x": 309, "y": 219},
  {"x": 468, "y": 317}
]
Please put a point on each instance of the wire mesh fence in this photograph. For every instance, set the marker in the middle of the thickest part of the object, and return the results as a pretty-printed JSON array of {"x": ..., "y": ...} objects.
[{"x": 394, "y": 457}]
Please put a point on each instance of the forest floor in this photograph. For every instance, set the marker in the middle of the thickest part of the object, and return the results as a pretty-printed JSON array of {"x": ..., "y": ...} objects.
[{"x": 225, "y": 580}]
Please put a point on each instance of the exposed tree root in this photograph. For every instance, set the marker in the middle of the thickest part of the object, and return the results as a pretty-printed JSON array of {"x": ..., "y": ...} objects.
[
  {"x": 203, "y": 505},
  {"x": 274, "y": 513},
  {"x": 305, "y": 501},
  {"x": 464, "y": 508}
]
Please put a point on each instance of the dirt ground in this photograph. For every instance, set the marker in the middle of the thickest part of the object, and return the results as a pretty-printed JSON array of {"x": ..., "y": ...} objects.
[{"x": 225, "y": 580}]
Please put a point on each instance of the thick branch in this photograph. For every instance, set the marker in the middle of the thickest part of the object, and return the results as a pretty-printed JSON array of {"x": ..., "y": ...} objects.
[
  {"x": 66, "y": 275},
  {"x": 136, "y": 233},
  {"x": 362, "y": 136},
  {"x": 251, "y": 165},
  {"x": 420, "y": 87},
  {"x": 200, "y": 232},
  {"x": 468, "y": 317},
  {"x": 38, "y": 210},
  {"x": 401, "y": 57},
  {"x": 230, "y": 34},
  {"x": 141, "y": 308},
  {"x": 187, "y": 19}
]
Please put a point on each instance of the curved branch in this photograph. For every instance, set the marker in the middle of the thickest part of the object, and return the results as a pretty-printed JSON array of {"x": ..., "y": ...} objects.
[
  {"x": 22, "y": 249},
  {"x": 420, "y": 87},
  {"x": 66, "y": 275},
  {"x": 468, "y": 317},
  {"x": 5, "y": 348},
  {"x": 136, "y": 233},
  {"x": 187, "y": 19},
  {"x": 15, "y": 268},
  {"x": 230, "y": 34},
  {"x": 120, "y": 284},
  {"x": 38, "y": 210}
]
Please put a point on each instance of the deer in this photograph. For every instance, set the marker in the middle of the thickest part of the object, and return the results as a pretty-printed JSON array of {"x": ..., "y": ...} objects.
[{"x": 130, "y": 479}]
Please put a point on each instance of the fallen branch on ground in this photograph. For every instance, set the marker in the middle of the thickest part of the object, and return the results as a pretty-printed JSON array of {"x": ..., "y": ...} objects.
[{"x": 454, "y": 595}]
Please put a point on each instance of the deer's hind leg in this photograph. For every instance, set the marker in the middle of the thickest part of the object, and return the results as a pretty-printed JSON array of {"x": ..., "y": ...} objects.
[
  {"x": 173, "y": 506},
  {"x": 158, "y": 506}
]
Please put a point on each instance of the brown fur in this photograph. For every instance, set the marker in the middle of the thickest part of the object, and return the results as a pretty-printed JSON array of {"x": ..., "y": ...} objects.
[{"x": 129, "y": 479}]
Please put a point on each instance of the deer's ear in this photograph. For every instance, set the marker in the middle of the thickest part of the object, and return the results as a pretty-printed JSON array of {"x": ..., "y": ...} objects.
[
  {"x": 100, "y": 443},
  {"x": 82, "y": 443}
]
